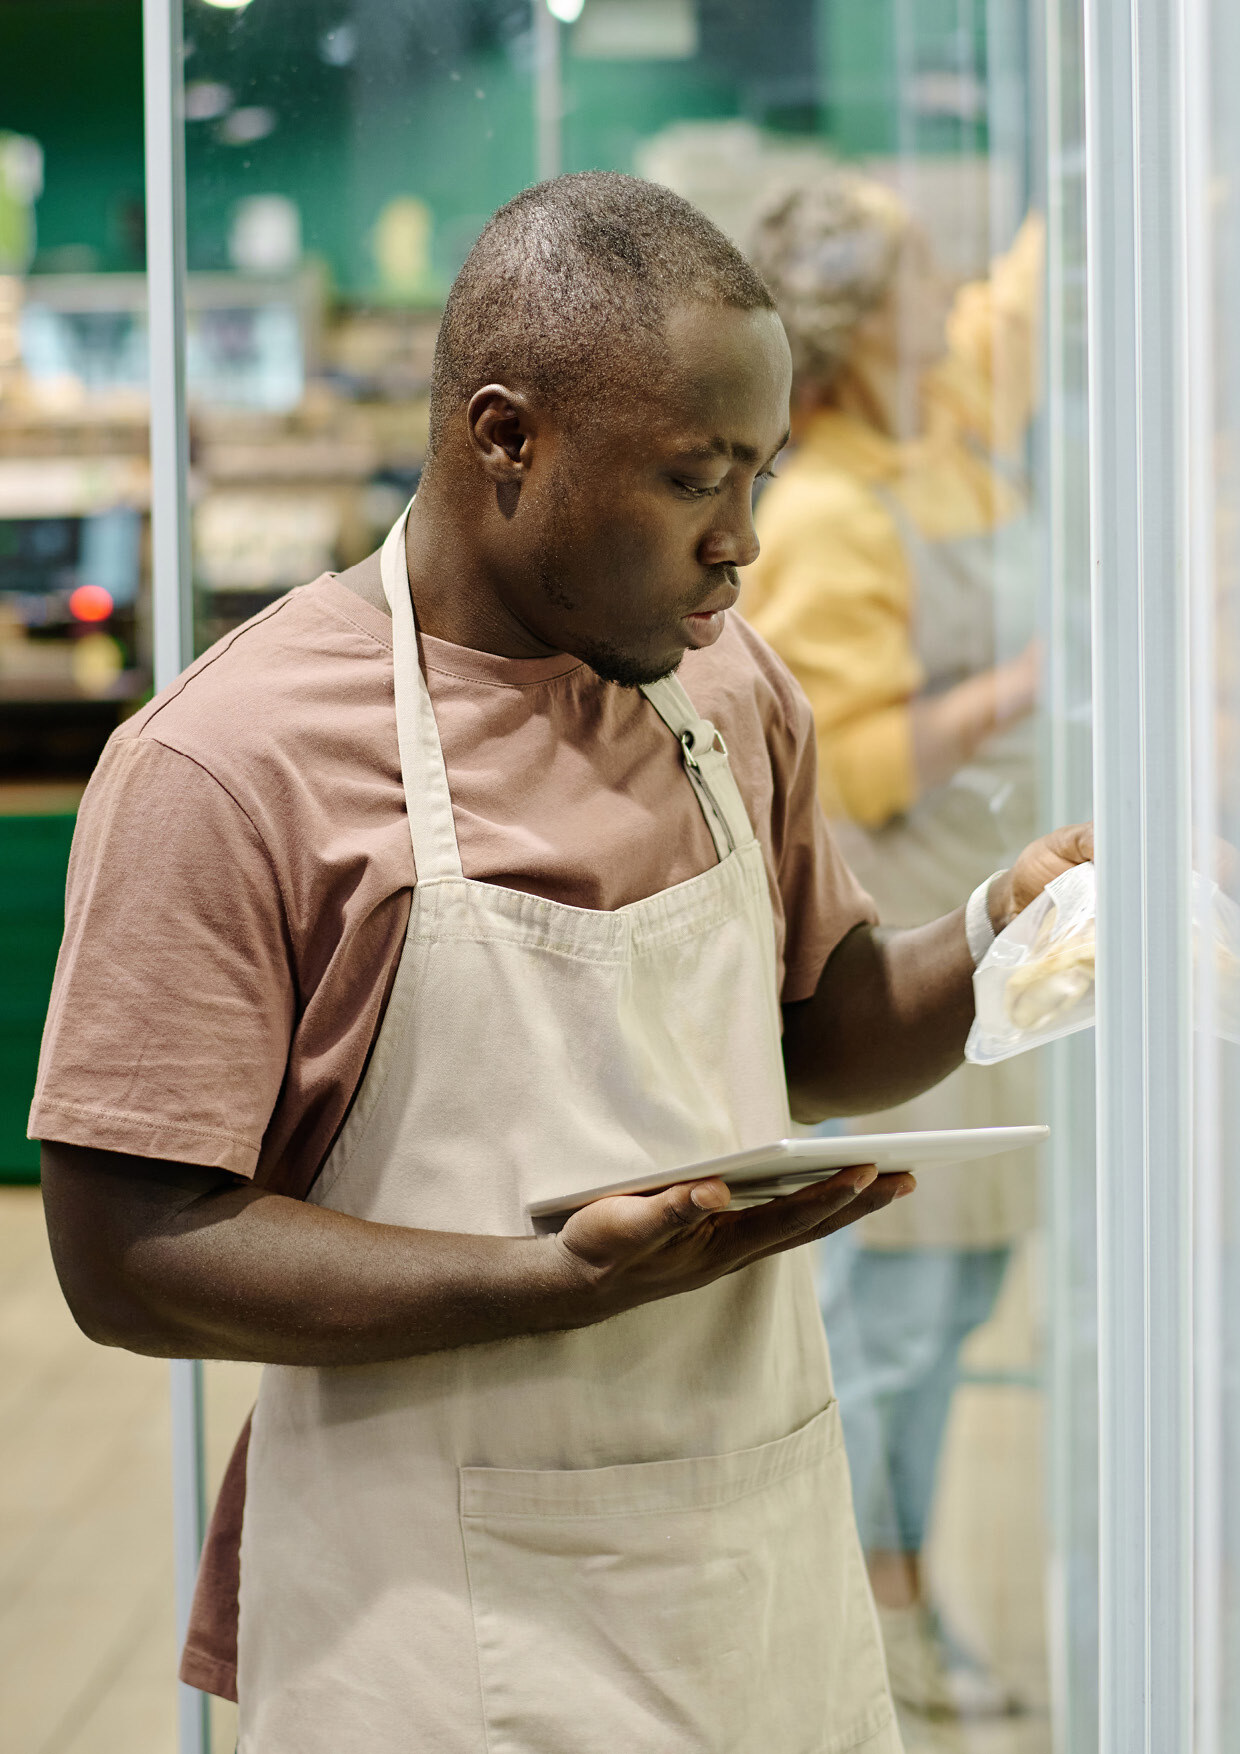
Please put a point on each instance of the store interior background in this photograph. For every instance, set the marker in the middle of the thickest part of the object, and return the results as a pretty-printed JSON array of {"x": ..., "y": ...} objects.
[{"x": 341, "y": 157}]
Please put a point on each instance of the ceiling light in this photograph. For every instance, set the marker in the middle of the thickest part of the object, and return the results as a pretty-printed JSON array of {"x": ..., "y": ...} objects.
[
  {"x": 206, "y": 100},
  {"x": 567, "y": 11},
  {"x": 229, "y": 5},
  {"x": 243, "y": 127},
  {"x": 338, "y": 46}
]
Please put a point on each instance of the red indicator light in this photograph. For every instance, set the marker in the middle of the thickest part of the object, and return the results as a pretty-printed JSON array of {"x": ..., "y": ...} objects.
[{"x": 91, "y": 603}]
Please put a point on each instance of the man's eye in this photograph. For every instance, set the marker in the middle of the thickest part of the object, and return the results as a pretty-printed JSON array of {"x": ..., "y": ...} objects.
[{"x": 695, "y": 490}]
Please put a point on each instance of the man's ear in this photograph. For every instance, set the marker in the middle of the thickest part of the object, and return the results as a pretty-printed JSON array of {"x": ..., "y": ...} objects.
[{"x": 502, "y": 431}]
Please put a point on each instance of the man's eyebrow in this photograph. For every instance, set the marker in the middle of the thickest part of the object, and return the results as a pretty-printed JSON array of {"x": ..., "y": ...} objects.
[{"x": 739, "y": 453}]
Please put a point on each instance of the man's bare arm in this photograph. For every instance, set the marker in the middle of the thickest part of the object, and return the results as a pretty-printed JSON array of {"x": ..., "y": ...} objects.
[
  {"x": 892, "y": 1009},
  {"x": 177, "y": 1261}
]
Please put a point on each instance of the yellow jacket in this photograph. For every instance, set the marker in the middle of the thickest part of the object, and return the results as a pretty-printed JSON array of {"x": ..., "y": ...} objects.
[{"x": 832, "y": 589}]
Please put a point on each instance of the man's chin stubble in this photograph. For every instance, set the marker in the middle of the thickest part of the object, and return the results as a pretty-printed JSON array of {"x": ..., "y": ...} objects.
[{"x": 624, "y": 671}]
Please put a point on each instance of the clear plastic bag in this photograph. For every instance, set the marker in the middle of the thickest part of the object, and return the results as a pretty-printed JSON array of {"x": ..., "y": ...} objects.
[{"x": 1036, "y": 982}]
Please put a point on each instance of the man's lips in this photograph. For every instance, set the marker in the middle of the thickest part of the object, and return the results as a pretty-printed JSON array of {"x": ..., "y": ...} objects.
[
  {"x": 704, "y": 626},
  {"x": 715, "y": 605},
  {"x": 727, "y": 590}
]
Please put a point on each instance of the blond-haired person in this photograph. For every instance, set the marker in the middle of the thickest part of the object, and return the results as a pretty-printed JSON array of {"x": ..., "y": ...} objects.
[{"x": 895, "y": 562}]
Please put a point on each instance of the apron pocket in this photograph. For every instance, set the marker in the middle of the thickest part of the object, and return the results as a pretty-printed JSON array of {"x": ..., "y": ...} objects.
[{"x": 717, "y": 1603}]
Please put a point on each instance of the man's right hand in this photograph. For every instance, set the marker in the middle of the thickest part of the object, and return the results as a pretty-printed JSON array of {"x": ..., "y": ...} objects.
[{"x": 632, "y": 1249}]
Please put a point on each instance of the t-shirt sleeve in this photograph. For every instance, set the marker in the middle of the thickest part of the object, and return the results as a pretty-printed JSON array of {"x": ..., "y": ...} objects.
[
  {"x": 821, "y": 899},
  {"x": 174, "y": 997}
]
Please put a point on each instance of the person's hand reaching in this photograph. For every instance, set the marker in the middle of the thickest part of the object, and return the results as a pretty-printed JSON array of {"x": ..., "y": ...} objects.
[{"x": 1041, "y": 862}]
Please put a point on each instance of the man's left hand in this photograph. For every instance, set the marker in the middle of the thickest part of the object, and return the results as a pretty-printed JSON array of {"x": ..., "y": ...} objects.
[{"x": 1041, "y": 862}]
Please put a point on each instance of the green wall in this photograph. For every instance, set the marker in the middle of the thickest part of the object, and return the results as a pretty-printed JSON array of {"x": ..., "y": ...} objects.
[
  {"x": 445, "y": 113},
  {"x": 71, "y": 75},
  {"x": 437, "y": 103},
  {"x": 34, "y": 854},
  {"x": 863, "y": 62}
]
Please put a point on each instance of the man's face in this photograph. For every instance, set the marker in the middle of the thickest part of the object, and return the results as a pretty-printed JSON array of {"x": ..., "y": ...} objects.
[{"x": 623, "y": 543}]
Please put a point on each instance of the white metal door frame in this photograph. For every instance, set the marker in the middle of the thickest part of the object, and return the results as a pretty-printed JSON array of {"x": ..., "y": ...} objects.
[
  {"x": 173, "y": 640},
  {"x": 1137, "y": 119},
  {"x": 1056, "y": 33}
]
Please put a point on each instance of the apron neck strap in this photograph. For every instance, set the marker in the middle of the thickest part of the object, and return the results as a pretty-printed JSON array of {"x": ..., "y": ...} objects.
[
  {"x": 706, "y": 764},
  {"x": 428, "y": 802}
]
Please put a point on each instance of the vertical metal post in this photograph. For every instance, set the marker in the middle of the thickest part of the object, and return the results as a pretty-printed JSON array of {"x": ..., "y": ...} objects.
[
  {"x": 1138, "y": 353},
  {"x": 1200, "y": 416},
  {"x": 1071, "y": 1219},
  {"x": 189, "y": 1513},
  {"x": 548, "y": 93},
  {"x": 172, "y": 606},
  {"x": 171, "y": 567},
  {"x": 904, "y": 75}
]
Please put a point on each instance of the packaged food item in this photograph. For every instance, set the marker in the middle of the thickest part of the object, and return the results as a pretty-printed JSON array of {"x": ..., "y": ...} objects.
[{"x": 1036, "y": 982}]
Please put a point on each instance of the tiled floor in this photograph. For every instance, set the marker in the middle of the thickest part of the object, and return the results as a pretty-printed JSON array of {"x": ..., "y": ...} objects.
[{"x": 86, "y": 1625}]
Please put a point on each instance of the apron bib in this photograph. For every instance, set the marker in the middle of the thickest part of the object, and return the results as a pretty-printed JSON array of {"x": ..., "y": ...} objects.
[{"x": 636, "y": 1536}]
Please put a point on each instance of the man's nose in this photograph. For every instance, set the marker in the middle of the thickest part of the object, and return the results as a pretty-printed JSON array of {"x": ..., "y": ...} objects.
[{"x": 732, "y": 541}]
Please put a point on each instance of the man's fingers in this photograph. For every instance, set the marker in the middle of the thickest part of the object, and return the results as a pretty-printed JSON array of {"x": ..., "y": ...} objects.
[
  {"x": 625, "y": 1227},
  {"x": 1076, "y": 843},
  {"x": 882, "y": 1192},
  {"x": 871, "y": 1198},
  {"x": 790, "y": 1218},
  {"x": 678, "y": 1208},
  {"x": 628, "y": 1224}
]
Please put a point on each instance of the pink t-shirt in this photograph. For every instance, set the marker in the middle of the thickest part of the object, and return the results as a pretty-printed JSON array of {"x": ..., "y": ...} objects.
[{"x": 241, "y": 873}]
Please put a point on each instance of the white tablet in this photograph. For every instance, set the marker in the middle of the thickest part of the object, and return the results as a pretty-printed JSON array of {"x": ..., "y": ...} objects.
[{"x": 766, "y": 1171}]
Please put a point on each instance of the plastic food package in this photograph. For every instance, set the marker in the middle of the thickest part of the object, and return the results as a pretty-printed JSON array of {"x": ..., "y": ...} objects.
[{"x": 1036, "y": 982}]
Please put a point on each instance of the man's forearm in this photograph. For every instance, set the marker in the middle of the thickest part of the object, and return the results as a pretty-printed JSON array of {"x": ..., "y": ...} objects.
[
  {"x": 893, "y": 1009},
  {"x": 170, "y": 1260},
  {"x": 888, "y": 1020},
  {"x": 175, "y": 1261}
]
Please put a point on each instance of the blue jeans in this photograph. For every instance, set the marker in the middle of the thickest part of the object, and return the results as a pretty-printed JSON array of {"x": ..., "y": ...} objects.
[{"x": 896, "y": 1320}]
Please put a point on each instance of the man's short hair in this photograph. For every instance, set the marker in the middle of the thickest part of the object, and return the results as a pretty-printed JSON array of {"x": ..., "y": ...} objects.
[{"x": 568, "y": 287}]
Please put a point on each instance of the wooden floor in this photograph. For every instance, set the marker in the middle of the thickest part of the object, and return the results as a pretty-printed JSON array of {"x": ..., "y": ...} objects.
[
  {"x": 87, "y": 1653},
  {"x": 86, "y": 1619}
]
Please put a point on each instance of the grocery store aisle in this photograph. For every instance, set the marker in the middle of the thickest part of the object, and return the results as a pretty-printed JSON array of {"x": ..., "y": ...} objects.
[{"x": 86, "y": 1621}]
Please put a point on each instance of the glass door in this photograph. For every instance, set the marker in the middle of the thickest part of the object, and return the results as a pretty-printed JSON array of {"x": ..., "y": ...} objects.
[{"x": 339, "y": 160}]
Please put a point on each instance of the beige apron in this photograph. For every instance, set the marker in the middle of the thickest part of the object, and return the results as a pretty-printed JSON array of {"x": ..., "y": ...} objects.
[
  {"x": 638, "y": 1536},
  {"x": 926, "y": 862}
]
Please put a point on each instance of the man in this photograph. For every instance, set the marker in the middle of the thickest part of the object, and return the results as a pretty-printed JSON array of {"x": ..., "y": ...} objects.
[{"x": 364, "y": 955}]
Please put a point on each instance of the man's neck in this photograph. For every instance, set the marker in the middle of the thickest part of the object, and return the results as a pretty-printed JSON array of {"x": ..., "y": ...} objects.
[
  {"x": 451, "y": 604},
  {"x": 454, "y": 596}
]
